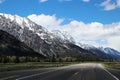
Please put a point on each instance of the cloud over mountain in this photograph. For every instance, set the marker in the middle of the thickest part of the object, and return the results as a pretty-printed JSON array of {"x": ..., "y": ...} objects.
[{"x": 94, "y": 33}]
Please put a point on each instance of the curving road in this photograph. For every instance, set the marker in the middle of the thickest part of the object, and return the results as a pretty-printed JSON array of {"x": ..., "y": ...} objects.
[{"x": 85, "y": 71}]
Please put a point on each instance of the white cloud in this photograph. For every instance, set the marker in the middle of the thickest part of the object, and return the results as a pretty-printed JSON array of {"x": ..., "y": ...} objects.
[
  {"x": 110, "y": 5},
  {"x": 93, "y": 33},
  {"x": 47, "y": 21},
  {"x": 114, "y": 42},
  {"x": 86, "y": 0},
  {"x": 43, "y": 1}
]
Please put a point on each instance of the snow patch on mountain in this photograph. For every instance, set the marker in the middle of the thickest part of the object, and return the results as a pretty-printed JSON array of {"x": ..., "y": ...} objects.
[
  {"x": 64, "y": 36},
  {"x": 85, "y": 46}
]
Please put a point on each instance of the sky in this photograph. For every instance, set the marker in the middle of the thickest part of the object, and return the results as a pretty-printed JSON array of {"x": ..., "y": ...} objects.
[{"x": 94, "y": 22}]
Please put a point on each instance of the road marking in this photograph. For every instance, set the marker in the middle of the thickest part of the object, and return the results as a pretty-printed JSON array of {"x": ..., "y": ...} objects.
[
  {"x": 9, "y": 77},
  {"x": 73, "y": 76},
  {"x": 76, "y": 73},
  {"x": 35, "y": 74},
  {"x": 111, "y": 74},
  {"x": 108, "y": 72}
]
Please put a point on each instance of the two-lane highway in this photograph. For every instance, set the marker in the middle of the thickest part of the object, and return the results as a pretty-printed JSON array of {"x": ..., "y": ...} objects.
[{"x": 86, "y": 71}]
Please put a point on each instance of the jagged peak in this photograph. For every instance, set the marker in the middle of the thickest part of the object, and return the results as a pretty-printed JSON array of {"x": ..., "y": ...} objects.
[
  {"x": 12, "y": 17},
  {"x": 21, "y": 21}
]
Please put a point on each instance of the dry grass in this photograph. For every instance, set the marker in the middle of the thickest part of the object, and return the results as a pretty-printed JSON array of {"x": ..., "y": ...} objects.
[
  {"x": 31, "y": 65},
  {"x": 113, "y": 65}
]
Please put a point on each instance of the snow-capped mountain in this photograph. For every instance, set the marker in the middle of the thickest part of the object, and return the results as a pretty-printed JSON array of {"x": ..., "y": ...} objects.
[
  {"x": 114, "y": 53},
  {"x": 95, "y": 51},
  {"x": 105, "y": 53},
  {"x": 49, "y": 44},
  {"x": 40, "y": 39},
  {"x": 25, "y": 30}
]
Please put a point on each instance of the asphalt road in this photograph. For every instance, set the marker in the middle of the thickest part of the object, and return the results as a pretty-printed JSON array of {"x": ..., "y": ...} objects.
[{"x": 86, "y": 71}]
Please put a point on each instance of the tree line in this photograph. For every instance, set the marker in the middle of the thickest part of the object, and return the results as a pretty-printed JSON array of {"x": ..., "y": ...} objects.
[{"x": 20, "y": 59}]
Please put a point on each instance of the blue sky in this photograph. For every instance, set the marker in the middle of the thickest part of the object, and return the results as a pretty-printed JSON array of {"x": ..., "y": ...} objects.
[
  {"x": 80, "y": 10},
  {"x": 94, "y": 22}
]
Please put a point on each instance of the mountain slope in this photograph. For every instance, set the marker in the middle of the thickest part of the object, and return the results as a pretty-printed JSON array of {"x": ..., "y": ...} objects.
[{"x": 10, "y": 46}]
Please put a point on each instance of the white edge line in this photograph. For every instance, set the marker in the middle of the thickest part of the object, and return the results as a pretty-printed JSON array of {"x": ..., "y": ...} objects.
[
  {"x": 35, "y": 74},
  {"x": 109, "y": 72},
  {"x": 8, "y": 77}
]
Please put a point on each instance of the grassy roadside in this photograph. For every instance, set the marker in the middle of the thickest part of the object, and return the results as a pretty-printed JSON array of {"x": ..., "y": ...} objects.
[
  {"x": 112, "y": 65},
  {"x": 32, "y": 65}
]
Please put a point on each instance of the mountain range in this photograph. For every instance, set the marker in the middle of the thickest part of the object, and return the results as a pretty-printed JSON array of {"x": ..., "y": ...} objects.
[{"x": 46, "y": 43}]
